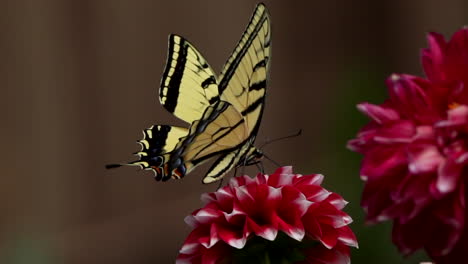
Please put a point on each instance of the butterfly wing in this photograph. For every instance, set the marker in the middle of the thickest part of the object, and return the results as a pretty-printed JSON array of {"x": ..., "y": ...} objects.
[
  {"x": 157, "y": 144},
  {"x": 243, "y": 83},
  {"x": 244, "y": 76},
  {"x": 221, "y": 129},
  {"x": 188, "y": 85},
  {"x": 224, "y": 117},
  {"x": 242, "y": 93}
]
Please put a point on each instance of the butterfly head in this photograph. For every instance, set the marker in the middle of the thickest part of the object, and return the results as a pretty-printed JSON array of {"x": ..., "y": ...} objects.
[{"x": 253, "y": 156}]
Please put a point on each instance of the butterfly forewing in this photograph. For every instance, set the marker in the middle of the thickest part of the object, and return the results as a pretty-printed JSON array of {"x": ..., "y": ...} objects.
[
  {"x": 188, "y": 85},
  {"x": 244, "y": 76}
]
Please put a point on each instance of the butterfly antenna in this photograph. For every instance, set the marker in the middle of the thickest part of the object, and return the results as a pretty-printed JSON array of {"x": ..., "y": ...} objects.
[
  {"x": 298, "y": 133},
  {"x": 116, "y": 165},
  {"x": 113, "y": 166},
  {"x": 271, "y": 160}
]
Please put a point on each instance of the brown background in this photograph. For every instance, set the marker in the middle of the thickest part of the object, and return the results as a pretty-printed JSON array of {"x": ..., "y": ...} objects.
[{"x": 79, "y": 82}]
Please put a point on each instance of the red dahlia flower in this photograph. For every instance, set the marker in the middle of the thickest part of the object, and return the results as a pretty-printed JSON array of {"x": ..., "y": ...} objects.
[
  {"x": 416, "y": 150},
  {"x": 277, "y": 218}
]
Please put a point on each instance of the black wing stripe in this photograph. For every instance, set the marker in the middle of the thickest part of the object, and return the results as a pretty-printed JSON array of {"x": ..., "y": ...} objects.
[
  {"x": 258, "y": 86},
  {"x": 227, "y": 167},
  {"x": 174, "y": 82},
  {"x": 253, "y": 106},
  {"x": 210, "y": 80},
  {"x": 260, "y": 64}
]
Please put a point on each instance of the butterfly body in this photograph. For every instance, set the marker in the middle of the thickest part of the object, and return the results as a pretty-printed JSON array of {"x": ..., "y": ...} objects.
[{"x": 224, "y": 112}]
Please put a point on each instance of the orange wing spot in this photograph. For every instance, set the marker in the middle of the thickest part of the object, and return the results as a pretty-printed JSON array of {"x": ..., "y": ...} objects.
[
  {"x": 166, "y": 169},
  {"x": 453, "y": 105},
  {"x": 157, "y": 169},
  {"x": 177, "y": 174}
]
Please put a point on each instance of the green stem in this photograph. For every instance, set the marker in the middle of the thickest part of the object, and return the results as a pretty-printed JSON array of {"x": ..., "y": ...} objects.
[{"x": 267, "y": 257}]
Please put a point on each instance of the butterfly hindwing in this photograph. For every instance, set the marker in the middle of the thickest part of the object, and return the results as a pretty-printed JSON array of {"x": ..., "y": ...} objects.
[
  {"x": 220, "y": 129},
  {"x": 225, "y": 163},
  {"x": 157, "y": 144},
  {"x": 188, "y": 85}
]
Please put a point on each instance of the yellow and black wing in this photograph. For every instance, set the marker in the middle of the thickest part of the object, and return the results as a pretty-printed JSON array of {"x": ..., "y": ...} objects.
[
  {"x": 228, "y": 128},
  {"x": 224, "y": 112},
  {"x": 188, "y": 85},
  {"x": 157, "y": 144},
  {"x": 244, "y": 77}
]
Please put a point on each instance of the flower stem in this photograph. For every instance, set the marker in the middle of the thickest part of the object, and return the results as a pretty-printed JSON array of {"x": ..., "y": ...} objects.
[{"x": 267, "y": 258}]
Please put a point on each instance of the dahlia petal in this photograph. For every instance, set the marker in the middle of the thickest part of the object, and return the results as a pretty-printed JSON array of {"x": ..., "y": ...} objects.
[
  {"x": 213, "y": 256},
  {"x": 330, "y": 237},
  {"x": 189, "y": 248},
  {"x": 456, "y": 116},
  {"x": 449, "y": 174},
  {"x": 417, "y": 180},
  {"x": 424, "y": 133},
  {"x": 363, "y": 141},
  {"x": 281, "y": 177},
  {"x": 432, "y": 57},
  {"x": 266, "y": 231},
  {"x": 407, "y": 95},
  {"x": 376, "y": 197},
  {"x": 337, "y": 201},
  {"x": 297, "y": 206},
  {"x": 382, "y": 160},
  {"x": 295, "y": 201},
  {"x": 424, "y": 158},
  {"x": 240, "y": 181},
  {"x": 206, "y": 215},
  {"x": 346, "y": 235},
  {"x": 213, "y": 238},
  {"x": 312, "y": 226},
  {"x": 456, "y": 61},
  {"x": 397, "y": 132},
  {"x": 294, "y": 230},
  {"x": 322, "y": 255},
  {"x": 314, "y": 193},
  {"x": 230, "y": 236},
  {"x": 190, "y": 220},
  {"x": 308, "y": 180},
  {"x": 243, "y": 195},
  {"x": 379, "y": 114},
  {"x": 330, "y": 216},
  {"x": 182, "y": 260},
  {"x": 274, "y": 194},
  {"x": 285, "y": 170},
  {"x": 261, "y": 178}
]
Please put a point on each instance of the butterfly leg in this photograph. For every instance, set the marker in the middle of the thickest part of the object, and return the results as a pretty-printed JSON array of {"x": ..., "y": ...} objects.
[
  {"x": 260, "y": 167},
  {"x": 220, "y": 184}
]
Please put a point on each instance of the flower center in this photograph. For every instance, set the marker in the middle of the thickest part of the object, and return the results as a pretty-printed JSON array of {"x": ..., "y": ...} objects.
[{"x": 453, "y": 105}]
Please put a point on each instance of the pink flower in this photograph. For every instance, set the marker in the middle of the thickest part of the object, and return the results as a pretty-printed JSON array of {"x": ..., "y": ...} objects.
[
  {"x": 416, "y": 150},
  {"x": 282, "y": 215}
]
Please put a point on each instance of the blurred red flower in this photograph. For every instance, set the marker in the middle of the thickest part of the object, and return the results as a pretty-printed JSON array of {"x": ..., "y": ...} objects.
[
  {"x": 282, "y": 215},
  {"x": 416, "y": 150}
]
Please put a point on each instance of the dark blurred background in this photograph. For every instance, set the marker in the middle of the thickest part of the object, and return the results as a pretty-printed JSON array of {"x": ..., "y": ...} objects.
[{"x": 79, "y": 81}]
